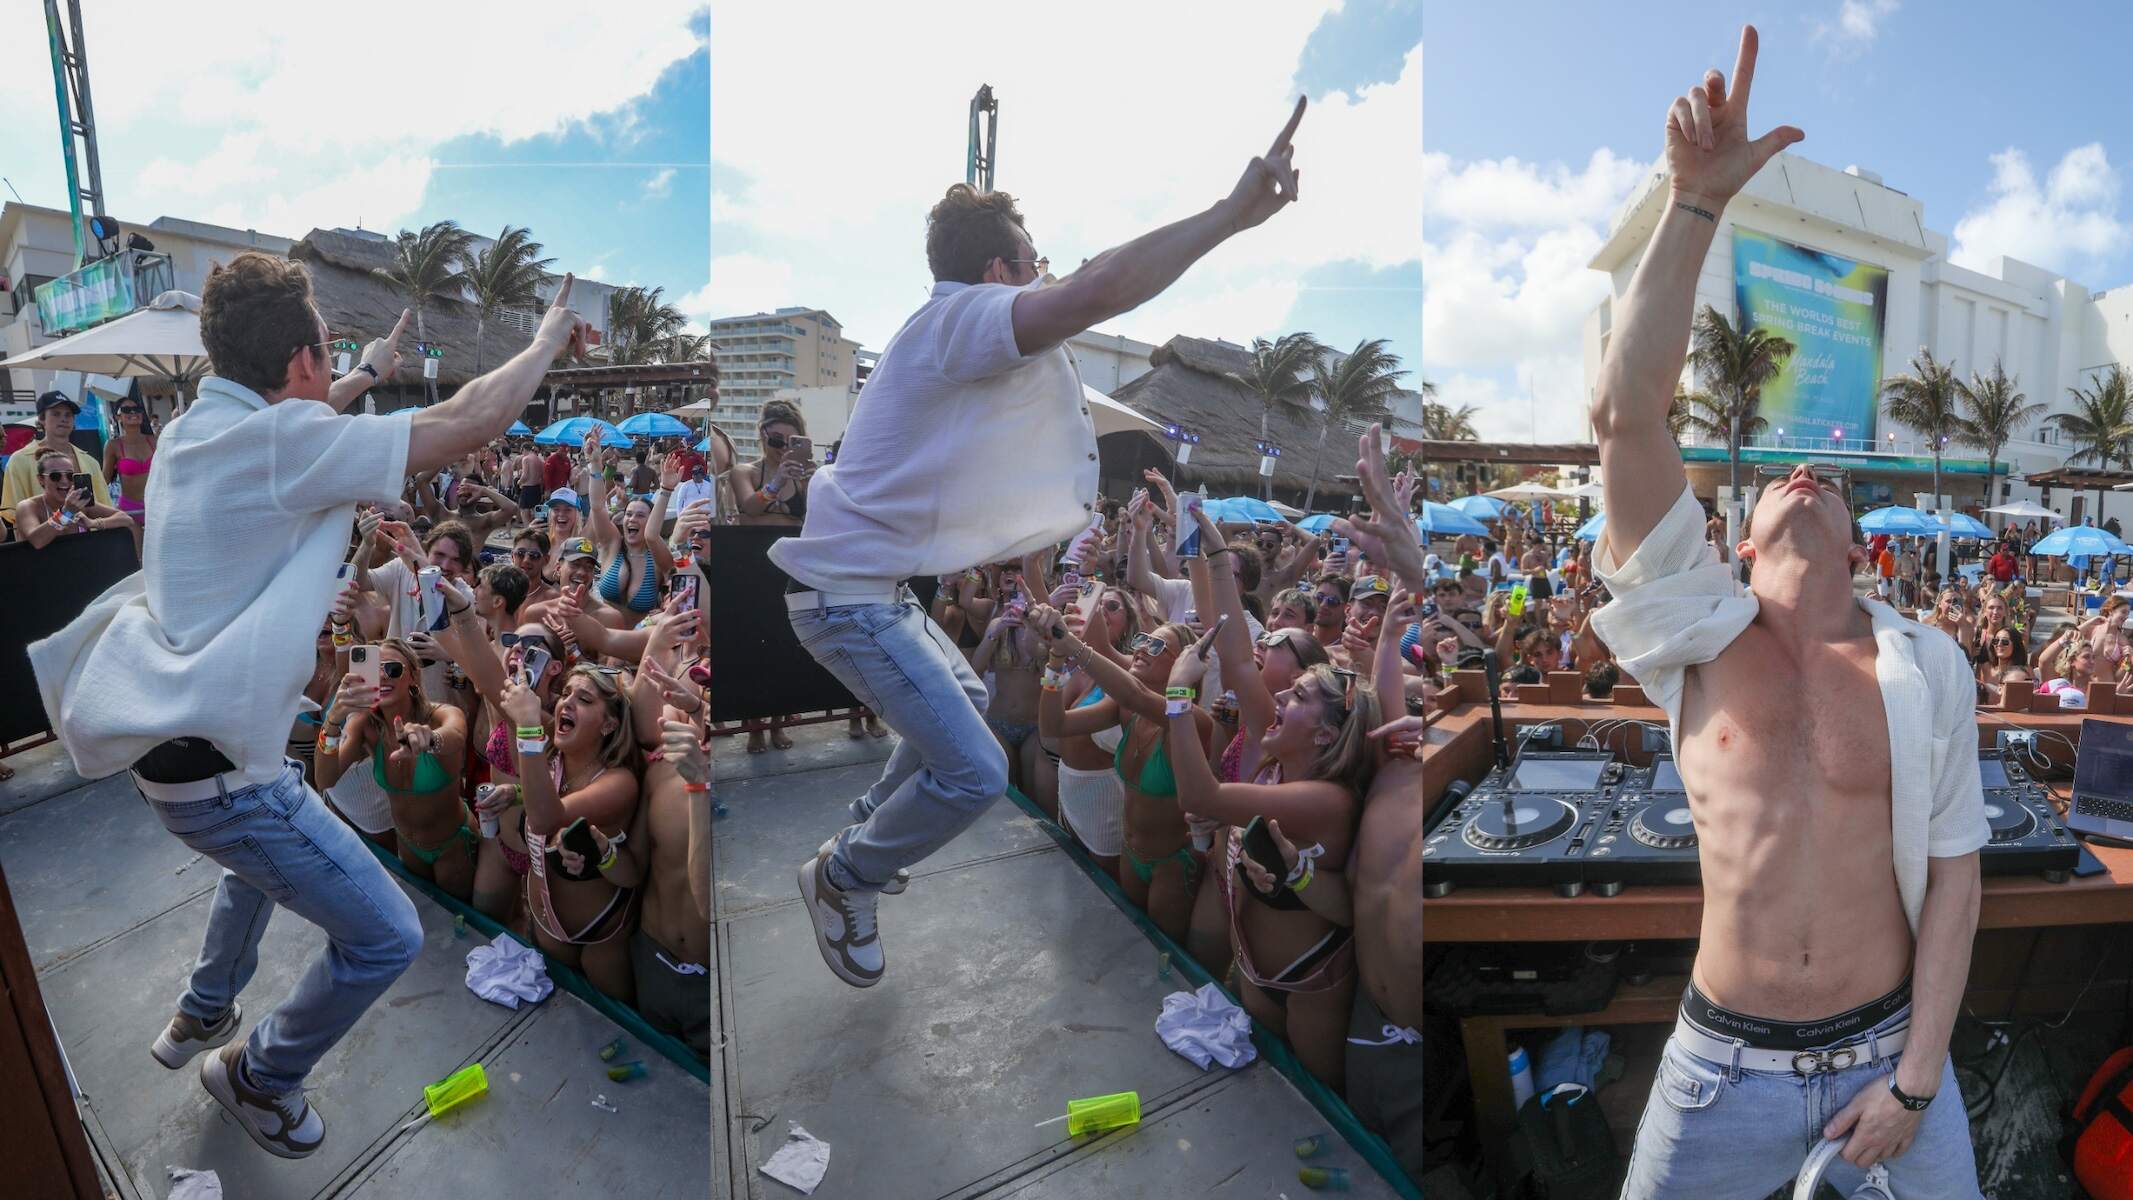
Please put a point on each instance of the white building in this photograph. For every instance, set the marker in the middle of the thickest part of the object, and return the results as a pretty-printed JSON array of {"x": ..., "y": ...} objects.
[{"x": 2049, "y": 332}]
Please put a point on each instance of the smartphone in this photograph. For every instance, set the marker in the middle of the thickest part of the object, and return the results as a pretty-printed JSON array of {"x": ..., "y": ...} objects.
[
  {"x": 802, "y": 448},
  {"x": 431, "y": 580},
  {"x": 81, "y": 481},
  {"x": 344, "y": 573},
  {"x": 1259, "y": 844},
  {"x": 685, "y": 586},
  {"x": 578, "y": 838},
  {"x": 533, "y": 663},
  {"x": 363, "y": 665},
  {"x": 1340, "y": 546}
]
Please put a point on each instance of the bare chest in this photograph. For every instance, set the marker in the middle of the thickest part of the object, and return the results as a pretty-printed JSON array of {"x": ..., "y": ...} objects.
[{"x": 1761, "y": 717}]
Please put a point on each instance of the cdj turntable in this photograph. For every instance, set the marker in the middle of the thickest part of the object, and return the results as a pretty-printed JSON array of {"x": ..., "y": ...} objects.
[
  {"x": 1530, "y": 824},
  {"x": 1646, "y": 835},
  {"x": 2026, "y": 833}
]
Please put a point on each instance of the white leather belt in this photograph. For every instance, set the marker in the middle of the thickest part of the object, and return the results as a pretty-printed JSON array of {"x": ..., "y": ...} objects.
[
  {"x": 1850, "y": 1053},
  {"x": 198, "y": 789},
  {"x": 803, "y": 601}
]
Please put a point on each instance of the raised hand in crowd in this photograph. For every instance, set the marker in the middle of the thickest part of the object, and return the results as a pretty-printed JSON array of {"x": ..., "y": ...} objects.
[{"x": 1386, "y": 533}]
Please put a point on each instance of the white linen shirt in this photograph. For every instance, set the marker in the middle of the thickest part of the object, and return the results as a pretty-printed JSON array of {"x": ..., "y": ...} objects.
[
  {"x": 962, "y": 450},
  {"x": 217, "y": 634},
  {"x": 1676, "y": 605}
]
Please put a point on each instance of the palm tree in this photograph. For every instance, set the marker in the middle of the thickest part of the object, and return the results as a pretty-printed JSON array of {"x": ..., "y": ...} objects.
[
  {"x": 681, "y": 347},
  {"x": 1358, "y": 387},
  {"x": 2101, "y": 425},
  {"x": 504, "y": 274},
  {"x": 1280, "y": 372},
  {"x": 426, "y": 268},
  {"x": 1996, "y": 412},
  {"x": 1443, "y": 423},
  {"x": 638, "y": 319},
  {"x": 1732, "y": 365},
  {"x": 1925, "y": 401}
]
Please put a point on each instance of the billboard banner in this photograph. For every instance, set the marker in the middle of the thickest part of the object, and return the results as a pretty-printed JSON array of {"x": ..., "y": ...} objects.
[
  {"x": 1833, "y": 311},
  {"x": 96, "y": 293}
]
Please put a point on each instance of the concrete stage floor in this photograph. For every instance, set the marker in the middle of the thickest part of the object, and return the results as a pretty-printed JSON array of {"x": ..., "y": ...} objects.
[{"x": 1013, "y": 985}]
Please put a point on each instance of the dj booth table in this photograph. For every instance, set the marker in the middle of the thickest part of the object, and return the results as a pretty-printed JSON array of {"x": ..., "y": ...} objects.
[{"x": 1459, "y": 746}]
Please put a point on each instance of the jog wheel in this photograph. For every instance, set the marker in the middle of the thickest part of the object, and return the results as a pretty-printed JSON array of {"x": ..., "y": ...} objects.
[
  {"x": 1526, "y": 821},
  {"x": 1665, "y": 824},
  {"x": 2009, "y": 821}
]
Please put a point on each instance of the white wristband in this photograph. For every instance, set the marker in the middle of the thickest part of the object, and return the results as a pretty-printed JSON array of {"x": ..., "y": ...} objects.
[{"x": 1176, "y": 708}]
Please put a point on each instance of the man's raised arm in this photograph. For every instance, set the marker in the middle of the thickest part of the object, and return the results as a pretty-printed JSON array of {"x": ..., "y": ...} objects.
[
  {"x": 1123, "y": 278},
  {"x": 480, "y": 412},
  {"x": 1709, "y": 158}
]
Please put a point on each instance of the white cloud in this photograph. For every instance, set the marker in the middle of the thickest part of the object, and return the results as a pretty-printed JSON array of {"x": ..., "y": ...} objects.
[
  {"x": 595, "y": 273},
  {"x": 2068, "y": 223},
  {"x": 1857, "y": 24},
  {"x": 745, "y": 283},
  {"x": 660, "y": 185},
  {"x": 1092, "y": 164},
  {"x": 1507, "y": 289},
  {"x": 278, "y": 119}
]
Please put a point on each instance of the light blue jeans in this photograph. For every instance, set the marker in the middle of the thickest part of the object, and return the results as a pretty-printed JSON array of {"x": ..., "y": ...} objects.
[
  {"x": 278, "y": 844},
  {"x": 1714, "y": 1131},
  {"x": 947, "y": 769}
]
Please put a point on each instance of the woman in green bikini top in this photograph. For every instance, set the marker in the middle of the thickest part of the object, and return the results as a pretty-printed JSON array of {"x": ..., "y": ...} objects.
[
  {"x": 1157, "y": 867},
  {"x": 417, "y": 755}
]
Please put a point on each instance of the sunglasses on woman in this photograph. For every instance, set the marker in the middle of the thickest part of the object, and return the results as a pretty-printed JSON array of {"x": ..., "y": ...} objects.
[
  {"x": 775, "y": 441},
  {"x": 1150, "y": 645},
  {"x": 391, "y": 668},
  {"x": 508, "y": 640}
]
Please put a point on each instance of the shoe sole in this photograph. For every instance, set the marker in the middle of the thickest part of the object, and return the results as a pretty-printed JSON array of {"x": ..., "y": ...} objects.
[
  {"x": 830, "y": 957},
  {"x": 169, "y": 1055},
  {"x": 895, "y": 887},
  {"x": 216, "y": 1079}
]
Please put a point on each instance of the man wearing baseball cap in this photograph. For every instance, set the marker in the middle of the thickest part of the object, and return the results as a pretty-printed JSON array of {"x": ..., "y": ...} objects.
[{"x": 55, "y": 426}]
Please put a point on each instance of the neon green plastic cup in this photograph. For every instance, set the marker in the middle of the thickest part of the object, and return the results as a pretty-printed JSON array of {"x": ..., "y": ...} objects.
[
  {"x": 1095, "y": 1114},
  {"x": 456, "y": 1089}
]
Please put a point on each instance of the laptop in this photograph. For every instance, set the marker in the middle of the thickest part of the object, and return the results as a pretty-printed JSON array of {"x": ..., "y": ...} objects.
[{"x": 2103, "y": 781}]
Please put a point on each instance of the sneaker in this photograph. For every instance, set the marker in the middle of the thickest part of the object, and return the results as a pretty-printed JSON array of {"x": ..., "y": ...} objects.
[
  {"x": 284, "y": 1125},
  {"x": 186, "y": 1036},
  {"x": 897, "y": 882},
  {"x": 844, "y": 925}
]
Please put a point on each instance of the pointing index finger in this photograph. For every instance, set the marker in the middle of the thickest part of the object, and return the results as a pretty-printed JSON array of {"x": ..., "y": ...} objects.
[
  {"x": 1744, "y": 67},
  {"x": 562, "y": 294},
  {"x": 400, "y": 327},
  {"x": 1289, "y": 130}
]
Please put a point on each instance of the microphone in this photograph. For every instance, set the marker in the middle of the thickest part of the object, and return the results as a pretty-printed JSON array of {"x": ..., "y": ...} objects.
[{"x": 1488, "y": 665}]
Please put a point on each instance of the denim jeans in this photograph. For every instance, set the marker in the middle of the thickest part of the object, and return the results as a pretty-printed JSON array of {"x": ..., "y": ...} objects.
[
  {"x": 278, "y": 844},
  {"x": 947, "y": 769},
  {"x": 1712, "y": 1131}
]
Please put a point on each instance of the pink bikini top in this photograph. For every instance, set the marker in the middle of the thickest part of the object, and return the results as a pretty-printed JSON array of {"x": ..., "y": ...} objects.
[{"x": 132, "y": 466}]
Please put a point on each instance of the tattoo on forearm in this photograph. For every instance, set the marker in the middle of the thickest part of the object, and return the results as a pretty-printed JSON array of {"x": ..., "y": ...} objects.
[{"x": 1705, "y": 213}]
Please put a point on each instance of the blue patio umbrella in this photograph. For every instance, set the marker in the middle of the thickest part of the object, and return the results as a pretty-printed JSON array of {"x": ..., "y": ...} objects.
[
  {"x": 518, "y": 429},
  {"x": 1896, "y": 519},
  {"x": 1963, "y": 525},
  {"x": 2078, "y": 541},
  {"x": 1444, "y": 520},
  {"x": 1590, "y": 530},
  {"x": 572, "y": 430},
  {"x": 1315, "y": 523},
  {"x": 655, "y": 424},
  {"x": 1243, "y": 508},
  {"x": 1481, "y": 508}
]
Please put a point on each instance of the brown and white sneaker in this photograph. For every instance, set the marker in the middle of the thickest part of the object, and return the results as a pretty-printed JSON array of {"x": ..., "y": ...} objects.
[
  {"x": 896, "y": 884},
  {"x": 845, "y": 931},
  {"x": 187, "y": 1035},
  {"x": 285, "y": 1125}
]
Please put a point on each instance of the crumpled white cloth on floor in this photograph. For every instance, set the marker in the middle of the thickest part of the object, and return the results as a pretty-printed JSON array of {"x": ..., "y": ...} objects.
[
  {"x": 800, "y": 1162},
  {"x": 507, "y": 971},
  {"x": 1205, "y": 1027},
  {"x": 194, "y": 1185}
]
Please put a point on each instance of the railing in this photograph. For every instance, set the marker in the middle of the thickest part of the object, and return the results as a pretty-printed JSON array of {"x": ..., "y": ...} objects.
[{"x": 103, "y": 290}]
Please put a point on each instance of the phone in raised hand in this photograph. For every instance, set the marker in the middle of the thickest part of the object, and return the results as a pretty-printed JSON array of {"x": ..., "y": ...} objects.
[
  {"x": 532, "y": 664},
  {"x": 685, "y": 586},
  {"x": 363, "y": 665},
  {"x": 802, "y": 448}
]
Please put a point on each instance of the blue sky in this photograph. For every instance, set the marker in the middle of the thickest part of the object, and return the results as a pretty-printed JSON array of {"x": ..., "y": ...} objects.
[
  {"x": 605, "y": 159},
  {"x": 1121, "y": 119},
  {"x": 2011, "y": 132}
]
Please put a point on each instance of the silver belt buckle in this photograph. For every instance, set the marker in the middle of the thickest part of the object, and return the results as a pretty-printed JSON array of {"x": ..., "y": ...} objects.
[{"x": 1824, "y": 1060}]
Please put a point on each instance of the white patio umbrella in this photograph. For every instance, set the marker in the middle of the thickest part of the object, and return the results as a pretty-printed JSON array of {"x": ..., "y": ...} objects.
[
  {"x": 1528, "y": 491},
  {"x": 1293, "y": 514},
  {"x": 1112, "y": 417},
  {"x": 694, "y": 408},
  {"x": 161, "y": 341},
  {"x": 1586, "y": 491},
  {"x": 2023, "y": 508}
]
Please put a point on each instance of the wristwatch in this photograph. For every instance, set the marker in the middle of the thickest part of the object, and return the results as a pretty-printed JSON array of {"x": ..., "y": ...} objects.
[
  {"x": 1910, "y": 1103},
  {"x": 369, "y": 370}
]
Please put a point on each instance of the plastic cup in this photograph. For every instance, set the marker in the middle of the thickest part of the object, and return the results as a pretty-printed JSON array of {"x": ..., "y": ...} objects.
[
  {"x": 1096, "y": 1114},
  {"x": 456, "y": 1089},
  {"x": 1323, "y": 1179},
  {"x": 1311, "y": 1147},
  {"x": 609, "y": 1052},
  {"x": 624, "y": 1072}
]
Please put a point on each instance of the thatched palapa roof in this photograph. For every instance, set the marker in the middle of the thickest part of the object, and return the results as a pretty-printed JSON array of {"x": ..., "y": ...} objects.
[
  {"x": 359, "y": 305},
  {"x": 1191, "y": 386}
]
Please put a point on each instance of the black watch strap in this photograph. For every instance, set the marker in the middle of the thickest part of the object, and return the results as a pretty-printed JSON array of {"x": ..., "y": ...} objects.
[
  {"x": 369, "y": 370},
  {"x": 1911, "y": 1103}
]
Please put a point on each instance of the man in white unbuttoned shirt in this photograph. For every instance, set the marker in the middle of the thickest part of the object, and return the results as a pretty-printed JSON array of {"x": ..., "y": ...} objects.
[
  {"x": 185, "y": 673},
  {"x": 974, "y": 445},
  {"x": 1829, "y": 749}
]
